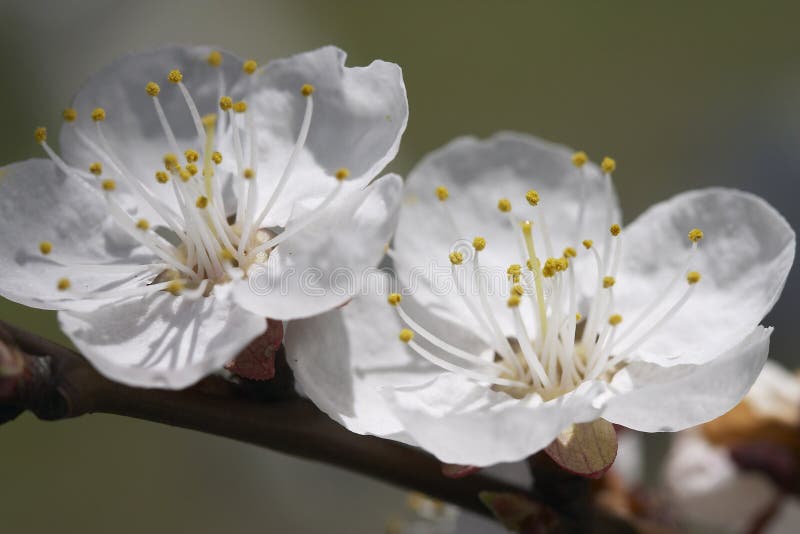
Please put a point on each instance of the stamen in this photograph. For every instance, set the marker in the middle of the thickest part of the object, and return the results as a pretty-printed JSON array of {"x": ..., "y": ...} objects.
[
  {"x": 176, "y": 77},
  {"x": 45, "y": 247},
  {"x": 286, "y": 234},
  {"x": 214, "y": 58},
  {"x": 504, "y": 205},
  {"x": 407, "y": 337},
  {"x": 306, "y": 90},
  {"x": 395, "y": 298},
  {"x": 692, "y": 279},
  {"x": 69, "y": 115},
  {"x": 249, "y": 66},
  {"x": 63, "y": 284},
  {"x": 537, "y": 277}
]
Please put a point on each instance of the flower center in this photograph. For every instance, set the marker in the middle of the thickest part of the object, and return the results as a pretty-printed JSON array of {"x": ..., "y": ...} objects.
[
  {"x": 554, "y": 349},
  {"x": 207, "y": 246}
]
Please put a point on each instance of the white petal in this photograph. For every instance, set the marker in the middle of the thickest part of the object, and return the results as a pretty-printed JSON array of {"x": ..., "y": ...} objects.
[
  {"x": 479, "y": 172},
  {"x": 132, "y": 126},
  {"x": 708, "y": 490},
  {"x": 325, "y": 264},
  {"x": 162, "y": 340},
  {"x": 38, "y": 203},
  {"x": 342, "y": 358},
  {"x": 744, "y": 259},
  {"x": 463, "y": 422},
  {"x": 360, "y": 114},
  {"x": 651, "y": 398},
  {"x": 776, "y": 394}
]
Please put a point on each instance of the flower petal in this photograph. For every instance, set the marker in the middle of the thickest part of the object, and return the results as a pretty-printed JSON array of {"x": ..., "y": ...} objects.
[
  {"x": 162, "y": 340},
  {"x": 744, "y": 259},
  {"x": 132, "y": 126},
  {"x": 342, "y": 358},
  {"x": 460, "y": 421},
  {"x": 477, "y": 173},
  {"x": 651, "y": 398},
  {"x": 38, "y": 203},
  {"x": 325, "y": 263},
  {"x": 360, "y": 114}
]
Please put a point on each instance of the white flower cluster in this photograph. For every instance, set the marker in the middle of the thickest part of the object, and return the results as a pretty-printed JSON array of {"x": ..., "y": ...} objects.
[{"x": 148, "y": 229}]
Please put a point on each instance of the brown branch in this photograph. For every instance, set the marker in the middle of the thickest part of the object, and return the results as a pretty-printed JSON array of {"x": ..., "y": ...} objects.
[{"x": 57, "y": 383}]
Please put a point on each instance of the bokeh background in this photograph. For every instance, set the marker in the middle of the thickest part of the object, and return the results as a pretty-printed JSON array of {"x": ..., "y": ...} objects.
[{"x": 683, "y": 94}]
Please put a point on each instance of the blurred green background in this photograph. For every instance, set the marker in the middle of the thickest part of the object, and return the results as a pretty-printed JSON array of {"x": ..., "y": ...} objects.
[{"x": 682, "y": 94}]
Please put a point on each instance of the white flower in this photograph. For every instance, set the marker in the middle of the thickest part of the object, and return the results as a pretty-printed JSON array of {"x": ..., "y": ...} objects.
[
  {"x": 187, "y": 179},
  {"x": 491, "y": 372},
  {"x": 706, "y": 487}
]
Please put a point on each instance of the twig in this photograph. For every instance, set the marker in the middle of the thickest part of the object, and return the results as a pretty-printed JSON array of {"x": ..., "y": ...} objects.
[{"x": 58, "y": 383}]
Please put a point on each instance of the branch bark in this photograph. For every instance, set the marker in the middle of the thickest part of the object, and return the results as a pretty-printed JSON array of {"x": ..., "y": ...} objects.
[{"x": 57, "y": 383}]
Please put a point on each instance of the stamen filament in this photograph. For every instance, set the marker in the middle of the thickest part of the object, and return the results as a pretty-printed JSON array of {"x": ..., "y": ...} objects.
[
  {"x": 469, "y": 373},
  {"x": 287, "y": 171}
]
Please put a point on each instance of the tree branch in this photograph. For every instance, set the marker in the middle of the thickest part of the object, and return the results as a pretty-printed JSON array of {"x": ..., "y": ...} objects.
[{"x": 56, "y": 383}]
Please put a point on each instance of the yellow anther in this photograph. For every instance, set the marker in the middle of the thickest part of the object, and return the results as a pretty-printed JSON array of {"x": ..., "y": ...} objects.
[
  {"x": 225, "y": 103},
  {"x": 570, "y": 252},
  {"x": 214, "y": 58},
  {"x": 307, "y": 89},
  {"x": 209, "y": 120},
  {"x": 529, "y": 263},
  {"x": 152, "y": 88},
  {"x": 504, "y": 205},
  {"x": 40, "y": 134},
  {"x": 191, "y": 155},
  {"x": 615, "y": 229},
  {"x": 526, "y": 226},
  {"x": 45, "y": 247},
  {"x": 240, "y": 106},
  {"x": 456, "y": 258},
  {"x": 579, "y": 158},
  {"x": 693, "y": 277},
  {"x": 442, "y": 193},
  {"x": 578, "y": 317},
  {"x": 184, "y": 174},
  {"x": 248, "y": 173},
  {"x": 406, "y": 335},
  {"x": 394, "y": 299},
  {"x": 695, "y": 235},
  {"x": 202, "y": 202},
  {"x": 615, "y": 319},
  {"x": 162, "y": 177},
  {"x": 513, "y": 301},
  {"x": 608, "y": 281},
  {"x": 96, "y": 168},
  {"x": 191, "y": 169},
  {"x": 532, "y": 197},
  {"x": 69, "y": 115},
  {"x": 171, "y": 162},
  {"x": 342, "y": 174},
  {"x": 175, "y": 76},
  {"x": 143, "y": 224},
  {"x": 550, "y": 268},
  {"x": 587, "y": 243},
  {"x": 249, "y": 66},
  {"x": 63, "y": 284},
  {"x": 479, "y": 243},
  {"x": 175, "y": 287},
  {"x": 608, "y": 165},
  {"x": 562, "y": 264},
  {"x": 216, "y": 157},
  {"x": 98, "y": 114},
  {"x": 108, "y": 184},
  {"x": 518, "y": 290},
  {"x": 515, "y": 269}
]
